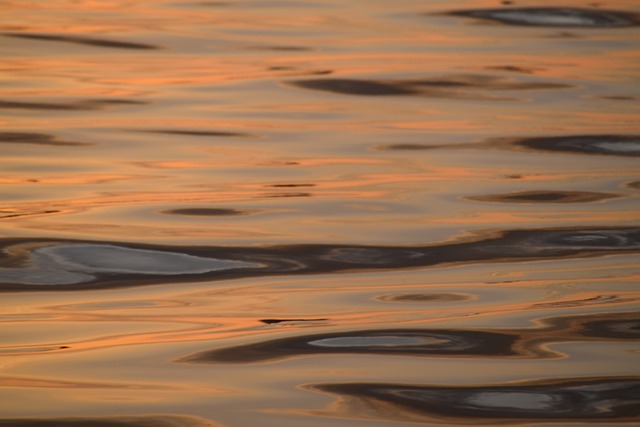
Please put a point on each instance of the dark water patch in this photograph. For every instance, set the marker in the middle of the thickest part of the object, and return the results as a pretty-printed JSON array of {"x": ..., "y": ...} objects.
[
  {"x": 599, "y": 299},
  {"x": 514, "y": 343},
  {"x": 405, "y": 342},
  {"x": 8, "y": 214},
  {"x": 281, "y": 68},
  {"x": 619, "y": 98},
  {"x": 608, "y": 144},
  {"x": 275, "y": 321},
  {"x": 37, "y": 139},
  {"x": 368, "y": 255},
  {"x": 613, "y": 328},
  {"x": 554, "y": 17},
  {"x": 84, "y": 105},
  {"x": 514, "y": 69},
  {"x": 82, "y": 40},
  {"x": 601, "y": 327},
  {"x": 425, "y": 297},
  {"x": 289, "y": 185},
  {"x": 208, "y": 212},
  {"x": 635, "y": 185},
  {"x": 198, "y": 133},
  {"x": 115, "y": 421},
  {"x": 354, "y": 87},
  {"x": 22, "y": 350},
  {"x": 406, "y": 147},
  {"x": 450, "y": 87},
  {"x": 591, "y": 400},
  {"x": 75, "y": 264},
  {"x": 618, "y": 145},
  {"x": 546, "y": 197}
]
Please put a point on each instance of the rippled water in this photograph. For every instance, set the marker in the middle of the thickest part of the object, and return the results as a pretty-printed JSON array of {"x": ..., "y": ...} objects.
[{"x": 319, "y": 213}]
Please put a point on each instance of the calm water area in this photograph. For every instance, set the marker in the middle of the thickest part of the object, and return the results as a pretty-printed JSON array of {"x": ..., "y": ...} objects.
[{"x": 319, "y": 213}]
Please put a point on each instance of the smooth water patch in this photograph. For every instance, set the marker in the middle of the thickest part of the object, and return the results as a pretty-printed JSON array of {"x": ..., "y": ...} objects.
[
  {"x": 554, "y": 17},
  {"x": 111, "y": 421},
  {"x": 364, "y": 341},
  {"x": 118, "y": 265},
  {"x": 541, "y": 196},
  {"x": 102, "y": 258},
  {"x": 505, "y": 343},
  {"x": 74, "y": 263},
  {"x": 597, "y": 144},
  {"x": 89, "y": 41},
  {"x": 37, "y": 139},
  {"x": 207, "y": 212},
  {"x": 464, "y": 86},
  {"x": 617, "y": 145},
  {"x": 574, "y": 399},
  {"x": 434, "y": 297}
]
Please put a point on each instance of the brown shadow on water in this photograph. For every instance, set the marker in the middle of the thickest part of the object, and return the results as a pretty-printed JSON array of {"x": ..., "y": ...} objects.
[
  {"x": 83, "y": 105},
  {"x": 546, "y": 197},
  {"x": 425, "y": 297},
  {"x": 588, "y": 400},
  {"x": 208, "y": 212},
  {"x": 202, "y": 133},
  {"x": 596, "y": 144},
  {"x": 37, "y": 139},
  {"x": 11, "y": 213},
  {"x": 89, "y": 41},
  {"x": 573, "y": 17},
  {"x": 634, "y": 184},
  {"x": 469, "y": 87},
  {"x": 525, "y": 343},
  {"x": 115, "y": 421},
  {"x": 59, "y": 264}
]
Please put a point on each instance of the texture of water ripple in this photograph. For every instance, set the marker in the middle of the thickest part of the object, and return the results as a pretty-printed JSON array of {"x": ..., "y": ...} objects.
[
  {"x": 65, "y": 264},
  {"x": 565, "y": 400},
  {"x": 318, "y": 213},
  {"x": 501, "y": 343},
  {"x": 555, "y": 17}
]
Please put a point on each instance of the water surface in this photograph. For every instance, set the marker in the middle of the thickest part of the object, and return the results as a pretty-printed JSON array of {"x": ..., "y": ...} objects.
[{"x": 319, "y": 213}]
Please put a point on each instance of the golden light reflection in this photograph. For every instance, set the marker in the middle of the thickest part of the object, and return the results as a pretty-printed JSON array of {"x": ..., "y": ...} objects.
[{"x": 188, "y": 122}]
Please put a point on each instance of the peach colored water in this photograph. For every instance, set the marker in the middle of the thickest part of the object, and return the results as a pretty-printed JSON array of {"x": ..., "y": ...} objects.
[{"x": 319, "y": 213}]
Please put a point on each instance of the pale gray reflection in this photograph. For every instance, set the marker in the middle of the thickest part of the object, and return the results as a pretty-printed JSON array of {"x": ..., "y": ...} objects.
[
  {"x": 554, "y": 17},
  {"x": 79, "y": 262}
]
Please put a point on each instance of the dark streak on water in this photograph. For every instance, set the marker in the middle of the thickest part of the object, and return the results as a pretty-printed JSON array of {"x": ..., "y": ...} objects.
[
  {"x": 197, "y": 132},
  {"x": 575, "y": 399},
  {"x": 451, "y": 87},
  {"x": 289, "y": 185},
  {"x": 529, "y": 343},
  {"x": 546, "y": 197},
  {"x": 634, "y": 184},
  {"x": 82, "y": 40},
  {"x": 37, "y": 139},
  {"x": 83, "y": 105},
  {"x": 215, "y": 263},
  {"x": 13, "y": 214},
  {"x": 514, "y": 69},
  {"x": 554, "y": 17},
  {"x": 627, "y": 145},
  {"x": 606, "y": 144},
  {"x": 119, "y": 421},
  {"x": 425, "y": 297},
  {"x": 275, "y": 321},
  {"x": 208, "y": 212}
]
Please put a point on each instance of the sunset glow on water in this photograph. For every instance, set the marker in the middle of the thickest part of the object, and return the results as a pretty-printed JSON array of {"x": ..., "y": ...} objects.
[{"x": 319, "y": 213}]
